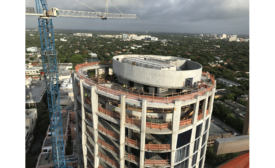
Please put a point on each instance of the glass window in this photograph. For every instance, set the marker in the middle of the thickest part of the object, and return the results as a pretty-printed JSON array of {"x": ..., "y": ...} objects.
[
  {"x": 203, "y": 138},
  {"x": 181, "y": 154},
  {"x": 184, "y": 138},
  {"x": 206, "y": 124},
  {"x": 202, "y": 151},
  {"x": 194, "y": 160},
  {"x": 196, "y": 145},
  {"x": 200, "y": 165},
  {"x": 183, "y": 164},
  {"x": 198, "y": 130}
]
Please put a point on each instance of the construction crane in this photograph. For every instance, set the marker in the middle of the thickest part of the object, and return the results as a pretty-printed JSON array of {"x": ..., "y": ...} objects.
[{"x": 50, "y": 67}]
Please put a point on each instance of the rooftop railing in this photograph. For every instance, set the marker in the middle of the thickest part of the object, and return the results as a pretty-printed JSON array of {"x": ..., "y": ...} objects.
[{"x": 151, "y": 97}]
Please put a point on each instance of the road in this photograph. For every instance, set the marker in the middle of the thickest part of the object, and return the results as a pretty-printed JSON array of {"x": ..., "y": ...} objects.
[{"x": 223, "y": 125}]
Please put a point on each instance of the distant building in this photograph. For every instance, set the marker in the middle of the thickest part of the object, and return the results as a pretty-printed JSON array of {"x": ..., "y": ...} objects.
[
  {"x": 243, "y": 97},
  {"x": 92, "y": 54},
  {"x": 63, "y": 39},
  {"x": 227, "y": 82},
  {"x": 45, "y": 158},
  {"x": 242, "y": 78},
  {"x": 106, "y": 36},
  {"x": 217, "y": 46},
  {"x": 201, "y": 35},
  {"x": 124, "y": 36},
  {"x": 154, "y": 39},
  {"x": 34, "y": 93},
  {"x": 221, "y": 92},
  {"x": 32, "y": 49},
  {"x": 83, "y": 34},
  {"x": 223, "y": 36},
  {"x": 119, "y": 36},
  {"x": 32, "y": 71},
  {"x": 131, "y": 36},
  {"x": 65, "y": 66}
]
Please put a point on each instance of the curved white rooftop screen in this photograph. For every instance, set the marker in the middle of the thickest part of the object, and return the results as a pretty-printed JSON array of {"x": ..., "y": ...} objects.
[{"x": 158, "y": 71}]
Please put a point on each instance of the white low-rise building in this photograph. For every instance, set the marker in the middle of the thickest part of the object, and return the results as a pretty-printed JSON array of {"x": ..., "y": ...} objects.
[
  {"x": 92, "y": 54},
  {"x": 32, "y": 71},
  {"x": 63, "y": 39},
  {"x": 32, "y": 49},
  {"x": 83, "y": 34}
]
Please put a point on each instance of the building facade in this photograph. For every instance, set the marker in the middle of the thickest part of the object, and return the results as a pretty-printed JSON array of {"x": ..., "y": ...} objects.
[
  {"x": 32, "y": 49},
  {"x": 151, "y": 116}
]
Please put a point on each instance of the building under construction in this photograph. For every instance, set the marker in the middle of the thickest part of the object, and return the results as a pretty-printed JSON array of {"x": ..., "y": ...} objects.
[{"x": 154, "y": 111}]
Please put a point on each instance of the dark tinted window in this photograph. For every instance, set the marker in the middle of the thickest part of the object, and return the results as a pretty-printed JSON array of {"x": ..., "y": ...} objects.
[{"x": 184, "y": 138}]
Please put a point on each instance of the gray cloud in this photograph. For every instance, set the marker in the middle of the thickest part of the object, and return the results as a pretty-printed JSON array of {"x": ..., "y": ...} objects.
[{"x": 184, "y": 16}]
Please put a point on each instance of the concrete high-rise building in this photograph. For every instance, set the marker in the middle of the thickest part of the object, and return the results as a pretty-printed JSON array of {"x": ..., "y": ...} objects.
[
  {"x": 156, "y": 111},
  {"x": 124, "y": 36},
  {"x": 223, "y": 36}
]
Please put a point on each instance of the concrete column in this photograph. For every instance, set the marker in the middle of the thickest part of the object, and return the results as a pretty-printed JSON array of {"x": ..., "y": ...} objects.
[
  {"x": 96, "y": 72},
  {"x": 122, "y": 132},
  {"x": 76, "y": 93},
  {"x": 204, "y": 108},
  {"x": 84, "y": 148},
  {"x": 194, "y": 127},
  {"x": 211, "y": 102},
  {"x": 130, "y": 135},
  {"x": 142, "y": 133},
  {"x": 94, "y": 107},
  {"x": 75, "y": 90},
  {"x": 107, "y": 71},
  {"x": 175, "y": 129}
]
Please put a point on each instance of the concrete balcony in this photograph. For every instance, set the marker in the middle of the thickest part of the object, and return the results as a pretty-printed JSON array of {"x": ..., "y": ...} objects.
[
  {"x": 164, "y": 98},
  {"x": 156, "y": 162},
  {"x": 108, "y": 161}
]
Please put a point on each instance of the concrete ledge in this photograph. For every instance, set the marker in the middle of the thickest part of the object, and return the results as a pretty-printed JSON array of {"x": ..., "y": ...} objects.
[{"x": 231, "y": 145}]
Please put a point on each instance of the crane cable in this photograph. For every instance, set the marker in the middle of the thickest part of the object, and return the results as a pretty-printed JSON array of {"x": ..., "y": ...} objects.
[
  {"x": 87, "y": 6},
  {"x": 115, "y": 7}
]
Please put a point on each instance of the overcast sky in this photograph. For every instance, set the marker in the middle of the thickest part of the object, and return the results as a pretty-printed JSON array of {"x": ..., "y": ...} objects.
[{"x": 180, "y": 16}]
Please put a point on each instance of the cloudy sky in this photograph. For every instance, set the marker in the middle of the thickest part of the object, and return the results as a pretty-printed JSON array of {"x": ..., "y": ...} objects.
[{"x": 180, "y": 16}]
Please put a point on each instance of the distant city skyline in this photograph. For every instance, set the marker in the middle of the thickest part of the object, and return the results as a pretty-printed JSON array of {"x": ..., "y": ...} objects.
[{"x": 186, "y": 16}]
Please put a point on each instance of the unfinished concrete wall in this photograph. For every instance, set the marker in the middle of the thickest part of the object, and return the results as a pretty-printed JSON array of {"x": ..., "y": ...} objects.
[{"x": 155, "y": 77}]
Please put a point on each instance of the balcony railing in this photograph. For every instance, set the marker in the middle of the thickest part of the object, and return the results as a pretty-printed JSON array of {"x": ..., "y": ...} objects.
[
  {"x": 131, "y": 157},
  {"x": 87, "y": 100},
  {"x": 108, "y": 132},
  {"x": 158, "y": 125},
  {"x": 90, "y": 145},
  {"x": 108, "y": 146},
  {"x": 90, "y": 157},
  {"x": 133, "y": 121},
  {"x": 157, "y": 146},
  {"x": 186, "y": 122},
  {"x": 109, "y": 113},
  {"x": 110, "y": 161},
  {"x": 164, "y": 98},
  {"x": 90, "y": 133},
  {"x": 132, "y": 142},
  {"x": 156, "y": 162},
  {"x": 87, "y": 116}
]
